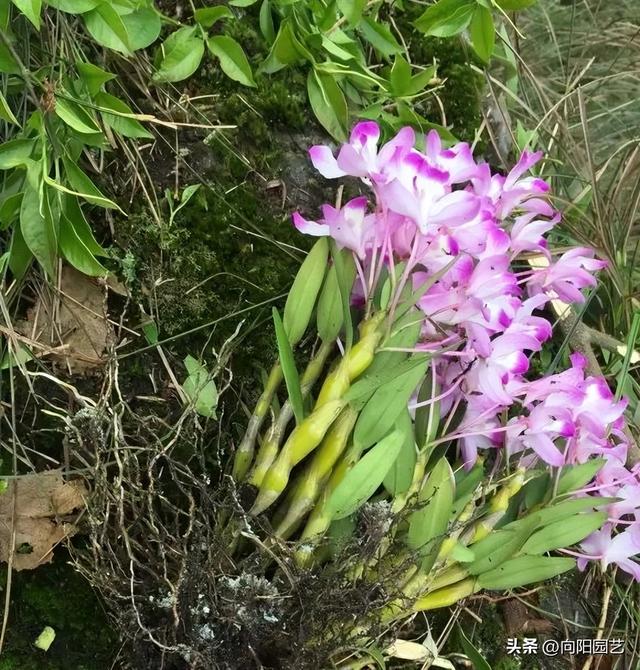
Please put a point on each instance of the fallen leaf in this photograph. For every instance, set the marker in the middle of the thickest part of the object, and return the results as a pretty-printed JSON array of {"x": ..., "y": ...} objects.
[
  {"x": 37, "y": 506},
  {"x": 69, "y": 324}
]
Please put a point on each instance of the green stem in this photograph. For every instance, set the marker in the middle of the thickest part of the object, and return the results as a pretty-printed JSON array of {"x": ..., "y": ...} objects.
[{"x": 244, "y": 454}]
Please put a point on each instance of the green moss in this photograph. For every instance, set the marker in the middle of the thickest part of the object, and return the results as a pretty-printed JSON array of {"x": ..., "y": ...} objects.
[{"x": 55, "y": 595}]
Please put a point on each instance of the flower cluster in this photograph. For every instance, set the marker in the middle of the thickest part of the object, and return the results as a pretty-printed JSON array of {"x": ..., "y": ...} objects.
[{"x": 436, "y": 212}]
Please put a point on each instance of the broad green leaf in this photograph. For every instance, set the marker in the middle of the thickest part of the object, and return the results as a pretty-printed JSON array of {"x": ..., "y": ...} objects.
[
  {"x": 150, "y": 330},
  {"x": 330, "y": 315},
  {"x": 500, "y": 545},
  {"x": 476, "y": 658},
  {"x": 93, "y": 76},
  {"x": 564, "y": 533},
  {"x": 536, "y": 490},
  {"x": 524, "y": 570},
  {"x": 83, "y": 186},
  {"x": 514, "y": 5},
  {"x": 242, "y": 3},
  {"x": 75, "y": 251},
  {"x": 446, "y": 18},
  {"x": 351, "y": 9},
  {"x": 383, "y": 408},
  {"x": 400, "y": 77},
  {"x": 233, "y": 60},
  {"x": 75, "y": 116},
  {"x": 143, "y": 27},
  {"x": 74, "y": 6},
  {"x": 266, "y": 22},
  {"x": 38, "y": 230},
  {"x": 19, "y": 254},
  {"x": 328, "y": 104},
  {"x": 16, "y": 153},
  {"x": 467, "y": 481},
  {"x": 124, "y": 125},
  {"x": 462, "y": 554},
  {"x": 200, "y": 388},
  {"x": 73, "y": 213},
  {"x": 482, "y": 32},
  {"x": 568, "y": 508},
  {"x": 5, "y": 111},
  {"x": 334, "y": 50},
  {"x": 9, "y": 209},
  {"x": 182, "y": 53},
  {"x": 362, "y": 481},
  {"x": 285, "y": 50},
  {"x": 31, "y": 9},
  {"x": 379, "y": 36},
  {"x": 208, "y": 16},
  {"x": 421, "y": 80},
  {"x": 107, "y": 28},
  {"x": 304, "y": 291},
  {"x": 428, "y": 524},
  {"x": 8, "y": 64},
  {"x": 398, "y": 479},
  {"x": 575, "y": 477},
  {"x": 361, "y": 391},
  {"x": 289, "y": 370}
]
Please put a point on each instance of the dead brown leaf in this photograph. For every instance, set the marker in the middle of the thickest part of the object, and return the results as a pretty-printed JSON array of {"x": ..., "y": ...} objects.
[
  {"x": 70, "y": 322},
  {"x": 37, "y": 506}
]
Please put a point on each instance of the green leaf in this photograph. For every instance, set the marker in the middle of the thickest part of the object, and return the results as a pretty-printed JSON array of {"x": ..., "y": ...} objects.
[
  {"x": 524, "y": 570},
  {"x": 427, "y": 416},
  {"x": 345, "y": 277},
  {"x": 446, "y": 18},
  {"x": 93, "y": 76},
  {"x": 482, "y": 32},
  {"x": 74, "y": 6},
  {"x": 400, "y": 77},
  {"x": 399, "y": 477},
  {"x": 10, "y": 209},
  {"x": 328, "y": 104},
  {"x": 5, "y": 111},
  {"x": 568, "y": 508},
  {"x": 462, "y": 554},
  {"x": 75, "y": 116},
  {"x": 84, "y": 187},
  {"x": 351, "y": 9},
  {"x": 289, "y": 370},
  {"x": 106, "y": 27},
  {"x": 73, "y": 213},
  {"x": 16, "y": 153},
  {"x": 182, "y": 53},
  {"x": 330, "y": 315},
  {"x": 379, "y": 36},
  {"x": 429, "y": 523},
  {"x": 31, "y": 9},
  {"x": 564, "y": 533},
  {"x": 143, "y": 27},
  {"x": 514, "y": 5},
  {"x": 126, "y": 126},
  {"x": 19, "y": 254},
  {"x": 383, "y": 408},
  {"x": 233, "y": 60},
  {"x": 38, "y": 229},
  {"x": 362, "y": 481},
  {"x": 150, "y": 330},
  {"x": 575, "y": 477},
  {"x": 76, "y": 252},
  {"x": 266, "y": 22},
  {"x": 200, "y": 388},
  {"x": 476, "y": 658},
  {"x": 304, "y": 291},
  {"x": 285, "y": 50},
  {"x": 467, "y": 481},
  {"x": 242, "y": 3},
  {"x": 208, "y": 16},
  {"x": 500, "y": 545}
]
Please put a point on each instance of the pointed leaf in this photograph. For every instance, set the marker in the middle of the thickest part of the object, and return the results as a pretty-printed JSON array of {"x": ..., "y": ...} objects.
[
  {"x": 106, "y": 27},
  {"x": 233, "y": 60},
  {"x": 75, "y": 116},
  {"x": 182, "y": 52},
  {"x": 123, "y": 122},
  {"x": 304, "y": 291},
  {"x": 575, "y": 477},
  {"x": 328, "y": 104},
  {"x": 362, "y": 481},
  {"x": 446, "y": 18},
  {"x": 93, "y": 76},
  {"x": 482, "y": 32},
  {"x": 523, "y": 571},
  {"x": 38, "y": 230},
  {"x": 289, "y": 370},
  {"x": 564, "y": 533},
  {"x": 399, "y": 477},
  {"x": 208, "y": 16}
]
